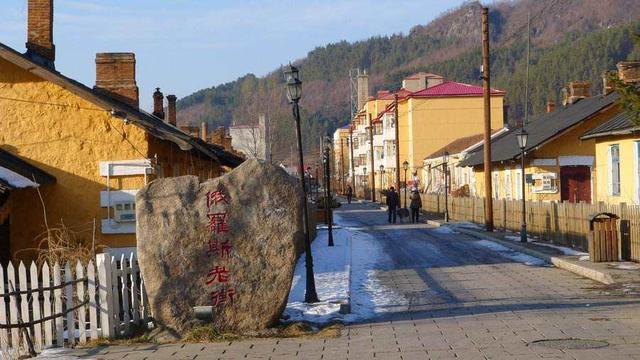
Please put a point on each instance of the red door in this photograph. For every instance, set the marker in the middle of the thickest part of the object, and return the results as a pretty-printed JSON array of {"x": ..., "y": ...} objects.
[{"x": 575, "y": 183}]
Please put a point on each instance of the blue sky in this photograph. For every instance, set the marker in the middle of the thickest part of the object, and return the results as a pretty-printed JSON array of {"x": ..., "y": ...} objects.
[{"x": 186, "y": 45}]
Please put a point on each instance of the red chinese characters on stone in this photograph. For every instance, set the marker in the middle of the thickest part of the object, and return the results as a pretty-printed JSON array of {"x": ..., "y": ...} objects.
[
  {"x": 218, "y": 222},
  {"x": 218, "y": 274},
  {"x": 219, "y": 248},
  {"x": 222, "y": 296},
  {"x": 215, "y": 198}
]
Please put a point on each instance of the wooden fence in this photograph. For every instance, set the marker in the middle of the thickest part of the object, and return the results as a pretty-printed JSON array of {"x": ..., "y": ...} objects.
[
  {"x": 563, "y": 223},
  {"x": 60, "y": 306}
]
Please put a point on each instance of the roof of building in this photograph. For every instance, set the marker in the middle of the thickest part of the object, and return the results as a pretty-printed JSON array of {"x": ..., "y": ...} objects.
[
  {"x": 459, "y": 145},
  {"x": 18, "y": 173},
  {"x": 402, "y": 93},
  {"x": 452, "y": 88},
  {"x": 542, "y": 129},
  {"x": 621, "y": 124},
  {"x": 150, "y": 123},
  {"x": 418, "y": 75}
]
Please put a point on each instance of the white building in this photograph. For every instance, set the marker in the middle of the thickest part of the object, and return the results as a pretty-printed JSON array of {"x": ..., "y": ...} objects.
[{"x": 253, "y": 141}]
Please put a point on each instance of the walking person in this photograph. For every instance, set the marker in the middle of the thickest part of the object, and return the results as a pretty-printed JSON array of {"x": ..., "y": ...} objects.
[
  {"x": 415, "y": 205},
  {"x": 393, "y": 201},
  {"x": 349, "y": 194}
]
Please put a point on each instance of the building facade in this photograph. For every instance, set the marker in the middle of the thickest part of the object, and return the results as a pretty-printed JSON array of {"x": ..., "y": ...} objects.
[{"x": 97, "y": 143}]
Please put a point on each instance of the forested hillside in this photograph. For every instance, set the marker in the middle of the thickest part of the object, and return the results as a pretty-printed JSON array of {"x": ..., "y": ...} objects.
[{"x": 571, "y": 40}]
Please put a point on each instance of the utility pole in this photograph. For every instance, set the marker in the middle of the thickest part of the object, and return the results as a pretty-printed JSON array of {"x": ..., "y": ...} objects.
[
  {"x": 486, "y": 85},
  {"x": 397, "y": 120},
  {"x": 353, "y": 172},
  {"x": 342, "y": 165},
  {"x": 373, "y": 168}
]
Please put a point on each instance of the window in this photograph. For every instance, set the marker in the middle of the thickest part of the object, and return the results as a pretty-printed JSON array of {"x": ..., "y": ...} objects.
[
  {"x": 518, "y": 184},
  {"x": 614, "y": 170},
  {"x": 545, "y": 183},
  {"x": 496, "y": 185},
  {"x": 507, "y": 184},
  {"x": 637, "y": 149}
]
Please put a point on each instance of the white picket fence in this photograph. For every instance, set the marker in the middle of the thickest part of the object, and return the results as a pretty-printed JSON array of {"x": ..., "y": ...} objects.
[{"x": 94, "y": 300}]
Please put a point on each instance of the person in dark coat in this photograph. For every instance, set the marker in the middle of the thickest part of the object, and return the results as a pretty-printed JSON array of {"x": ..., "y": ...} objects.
[
  {"x": 393, "y": 201},
  {"x": 349, "y": 194},
  {"x": 415, "y": 205}
]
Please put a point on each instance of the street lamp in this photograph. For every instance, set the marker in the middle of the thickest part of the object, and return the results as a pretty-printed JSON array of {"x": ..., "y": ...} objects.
[
  {"x": 327, "y": 197},
  {"x": 381, "y": 176},
  {"x": 445, "y": 168},
  {"x": 522, "y": 137},
  {"x": 405, "y": 166},
  {"x": 294, "y": 91}
]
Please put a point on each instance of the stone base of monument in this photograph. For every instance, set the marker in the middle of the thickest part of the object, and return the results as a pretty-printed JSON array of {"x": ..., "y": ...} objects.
[{"x": 228, "y": 246}]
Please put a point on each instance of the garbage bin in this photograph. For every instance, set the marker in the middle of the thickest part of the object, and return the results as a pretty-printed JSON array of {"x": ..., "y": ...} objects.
[{"x": 603, "y": 237}]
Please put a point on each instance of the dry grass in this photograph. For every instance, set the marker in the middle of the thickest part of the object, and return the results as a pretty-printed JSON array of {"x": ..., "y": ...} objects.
[
  {"x": 293, "y": 330},
  {"x": 61, "y": 243}
]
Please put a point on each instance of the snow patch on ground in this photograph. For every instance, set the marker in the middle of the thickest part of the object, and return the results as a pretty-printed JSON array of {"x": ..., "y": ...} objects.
[
  {"x": 56, "y": 353},
  {"x": 510, "y": 254},
  {"x": 625, "y": 266},
  {"x": 330, "y": 265},
  {"x": 444, "y": 230},
  {"x": 565, "y": 250},
  {"x": 356, "y": 255}
]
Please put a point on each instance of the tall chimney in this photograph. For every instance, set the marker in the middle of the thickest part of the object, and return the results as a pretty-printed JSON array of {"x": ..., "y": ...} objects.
[
  {"x": 171, "y": 109},
  {"x": 551, "y": 106},
  {"x": 116, "y": 77},
  {"x": 203, "y": 131},
  {"x": 363, "y": 89},
  {"x": 158, "y": 104},
  {"x": 40, "y": 46},
  {"x": 579, "y": 90}
]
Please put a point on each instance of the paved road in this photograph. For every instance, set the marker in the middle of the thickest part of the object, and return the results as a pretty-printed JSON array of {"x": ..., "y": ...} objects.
[{"x": 449, "y": 297}]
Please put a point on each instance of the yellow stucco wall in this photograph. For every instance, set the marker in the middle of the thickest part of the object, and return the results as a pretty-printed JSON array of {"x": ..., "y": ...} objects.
[
  {"x": 568, "y": 144},
  {"x": 431, "y": 123},
  {"x": 67, "y": 136},
  {"x": 628, "y": 169}
]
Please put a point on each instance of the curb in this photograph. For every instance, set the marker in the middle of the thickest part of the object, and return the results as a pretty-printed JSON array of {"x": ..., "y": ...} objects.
[{"x": 559, "y": 262}]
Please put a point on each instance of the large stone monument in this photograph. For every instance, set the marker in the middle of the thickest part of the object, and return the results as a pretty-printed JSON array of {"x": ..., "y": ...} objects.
[{"x": 230, "y": 243}]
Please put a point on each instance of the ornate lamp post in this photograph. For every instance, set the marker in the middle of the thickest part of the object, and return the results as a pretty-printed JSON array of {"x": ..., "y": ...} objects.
[
  {"x": 326, "y": 158},
  {"x": 381, "y": 176},
  {"x": 294, "y": 92},
  {"x": 405, "y": 167},
  {"x": 445, "y": 169},
  {"x": 522, "y": 137}
]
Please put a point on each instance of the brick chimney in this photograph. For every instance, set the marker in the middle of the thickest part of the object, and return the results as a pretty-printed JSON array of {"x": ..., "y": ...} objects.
[
  {"x": 629, "y": 71},
  {"x": 158, "y": 104},
  {"x": 579, "y": 90},
  {"x": 203, "y": 131},
  {"x": 171, "y": 109},
  {"x": 551, "y": 106},
  {"x": 116, "y": 77},
  {"x": 40, "y": 46},
  {"x": 363, "y": 89}
]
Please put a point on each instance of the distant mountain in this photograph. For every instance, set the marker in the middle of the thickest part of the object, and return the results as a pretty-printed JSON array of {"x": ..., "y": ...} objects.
[{"x": 571, "y": 40}]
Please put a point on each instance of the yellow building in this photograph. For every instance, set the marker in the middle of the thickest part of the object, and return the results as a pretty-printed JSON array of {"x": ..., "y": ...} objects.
[
  {"x": 436, "y": 116},
  {"x": 431, "y": 113},
  {"x": 96, "y": 142},
  {"x": 341, "y": 159},
  {"x": 559, "y": 165},
  {"x": 617, "y": 155}
]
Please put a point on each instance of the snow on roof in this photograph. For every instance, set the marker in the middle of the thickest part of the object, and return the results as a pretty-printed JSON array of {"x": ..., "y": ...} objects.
[{"x": 16, "y": 180}]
